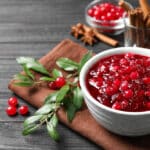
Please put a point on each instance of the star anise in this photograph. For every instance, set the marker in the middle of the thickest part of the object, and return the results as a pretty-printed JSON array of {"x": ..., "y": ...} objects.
[
  {"x": 89, "y": 37},
  {"x": 77, "y": 30}
]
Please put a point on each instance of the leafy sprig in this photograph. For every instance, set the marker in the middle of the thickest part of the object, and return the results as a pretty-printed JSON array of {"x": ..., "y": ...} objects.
[{"x": 69, "y": 96}]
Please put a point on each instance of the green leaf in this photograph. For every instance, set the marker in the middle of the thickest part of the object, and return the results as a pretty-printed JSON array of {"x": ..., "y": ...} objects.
[
  {"x": 77, "y": 97},
  {"x": 36, "y": 66},
  {"x": 62, "y": 93},
  {"x": 51, "y": 98},
  {"x": 28, "y": 72},
  {"x": 45, "y": 109},
  {"x": 29, "y": 129},
  {"x": 52, "y": 131},
  {"x": 22, "y": 77},
  {"x": 71, "y": 110},
  {"x": 85, "y": 58},
  {"x": 47, "y": 79},
  {"x": 76, "y": 80},
  {"x": 24, "y": 83},
  {"x": 54, "y": 120},
  {"x": 31, "y": 63},
  {"x": 56, "y": 73},
  {"x": 24, "y": 60},
  {"x": 31, "y": 120},
  {"x": 23, "y": 80},
  {"x": 67, "y": 64}
]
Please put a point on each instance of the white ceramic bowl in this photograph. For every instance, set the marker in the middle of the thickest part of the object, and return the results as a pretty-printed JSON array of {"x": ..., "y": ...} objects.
[{"x": 120, "y": 122}]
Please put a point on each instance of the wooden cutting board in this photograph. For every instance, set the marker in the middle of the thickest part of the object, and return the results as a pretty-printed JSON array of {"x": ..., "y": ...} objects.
[{"x": 83, "y": 122}]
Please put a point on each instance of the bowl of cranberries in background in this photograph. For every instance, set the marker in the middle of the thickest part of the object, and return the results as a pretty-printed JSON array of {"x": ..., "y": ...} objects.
[
  {"x": 116, "y": 88},
  {"x": 106, "y": 16}
]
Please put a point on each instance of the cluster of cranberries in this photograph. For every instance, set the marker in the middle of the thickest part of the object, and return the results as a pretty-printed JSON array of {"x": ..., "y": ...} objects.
[
  {"x": 57, "y": 84},
  {"x": 106, "y": 12},
  {"x": 121, "y": 82},
  {"x": 11, "y": 110}
]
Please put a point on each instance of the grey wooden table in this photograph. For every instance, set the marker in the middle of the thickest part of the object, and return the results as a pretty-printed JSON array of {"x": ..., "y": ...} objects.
[{"x": 32, "y": 28}]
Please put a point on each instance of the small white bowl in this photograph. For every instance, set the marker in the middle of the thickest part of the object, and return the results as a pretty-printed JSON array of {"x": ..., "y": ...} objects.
[{"x": 120, "y": 122}]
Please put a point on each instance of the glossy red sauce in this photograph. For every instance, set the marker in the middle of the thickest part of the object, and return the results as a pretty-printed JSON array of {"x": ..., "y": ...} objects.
[{"x": 121, "y": 82}]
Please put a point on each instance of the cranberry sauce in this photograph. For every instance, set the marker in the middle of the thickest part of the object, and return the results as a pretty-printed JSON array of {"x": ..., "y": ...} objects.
[{"x": 121, "y": 82}]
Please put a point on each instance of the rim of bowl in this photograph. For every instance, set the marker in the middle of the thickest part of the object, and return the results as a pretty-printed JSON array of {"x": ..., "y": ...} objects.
[
  {"x": 94, "y": 59},
  {"x": 103, "y": 21}
]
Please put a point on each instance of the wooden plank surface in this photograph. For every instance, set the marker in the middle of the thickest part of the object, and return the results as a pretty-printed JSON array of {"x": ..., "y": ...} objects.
[{"x": 32, "y": 28}]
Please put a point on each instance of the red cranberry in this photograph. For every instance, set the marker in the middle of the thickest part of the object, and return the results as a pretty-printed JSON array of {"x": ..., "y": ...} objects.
[
  {"x": 109, "y": 91},
  {"x": 134, "y": 75},
  {"x": 119, "y": 97},
  {"x": 128, "y": 93},
  {"x": 114, "y": 68},
  {"x": 107, "y": 6},
  {"x": 147, "y": 62},
  {"x": 13, "y": 101},
  {"x": 147, "y": 93},
  {"x": 148, "y": 105},
  {"x": 127, "y": 69},
  {"x": 124, "y": 104},
  {"x": 116, "y": 106},
  {"x": 124, "y": 85},
  {"x": 102, "y": 10},
  {"x": 23, "y": 110},
  {"x": 117, "y": 82},
  {"x": 97, "y": 14},
  {"x": 60, "y": 82},
  {"x": 110, "y": 16},
  {"x": 124, "y": 61},
  {"x": 99, "y": 81},
  {"x": 136, "y": 107},
  {"x": 140, "y": 93},
  {"x": 112, "y": 10},
  {"x": 95, "y": 7},
  {"x": 106, "y": 102},
  {"x": 52, "y": 85},
  {"x": 93, "y": 82},
  {"x": 118, "y": 15},
  {"x": 146, "y": 80},
  {"x": 91, "y": 12},
  {"x": 129, "y": 55},
  {"x": 103, "y": 18},
  {"x": 126, "y": 77},
  {"x": 11, "y": 110}
]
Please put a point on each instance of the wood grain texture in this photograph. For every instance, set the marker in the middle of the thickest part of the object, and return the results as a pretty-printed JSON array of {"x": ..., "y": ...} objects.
[{"x": 32, "y": 28}]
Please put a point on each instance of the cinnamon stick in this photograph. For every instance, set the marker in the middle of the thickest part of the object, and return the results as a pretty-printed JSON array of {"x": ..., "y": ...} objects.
[
  {"x": 139, "y": 18},
  {"x": 102, "y": 37},
  {"x": 145, "y": 7},
  {"x": 139, "y": 21},
  {"x": 140, "y": 32},
  {"x": 148, "y": 21},
  {"x": 146, "y": 10},
  {"x": 124, "y": 5},
  {"x": 130, "y": 33},
  {"x": 106, "y": 39},
  {"x": 132, "y": 18}
]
